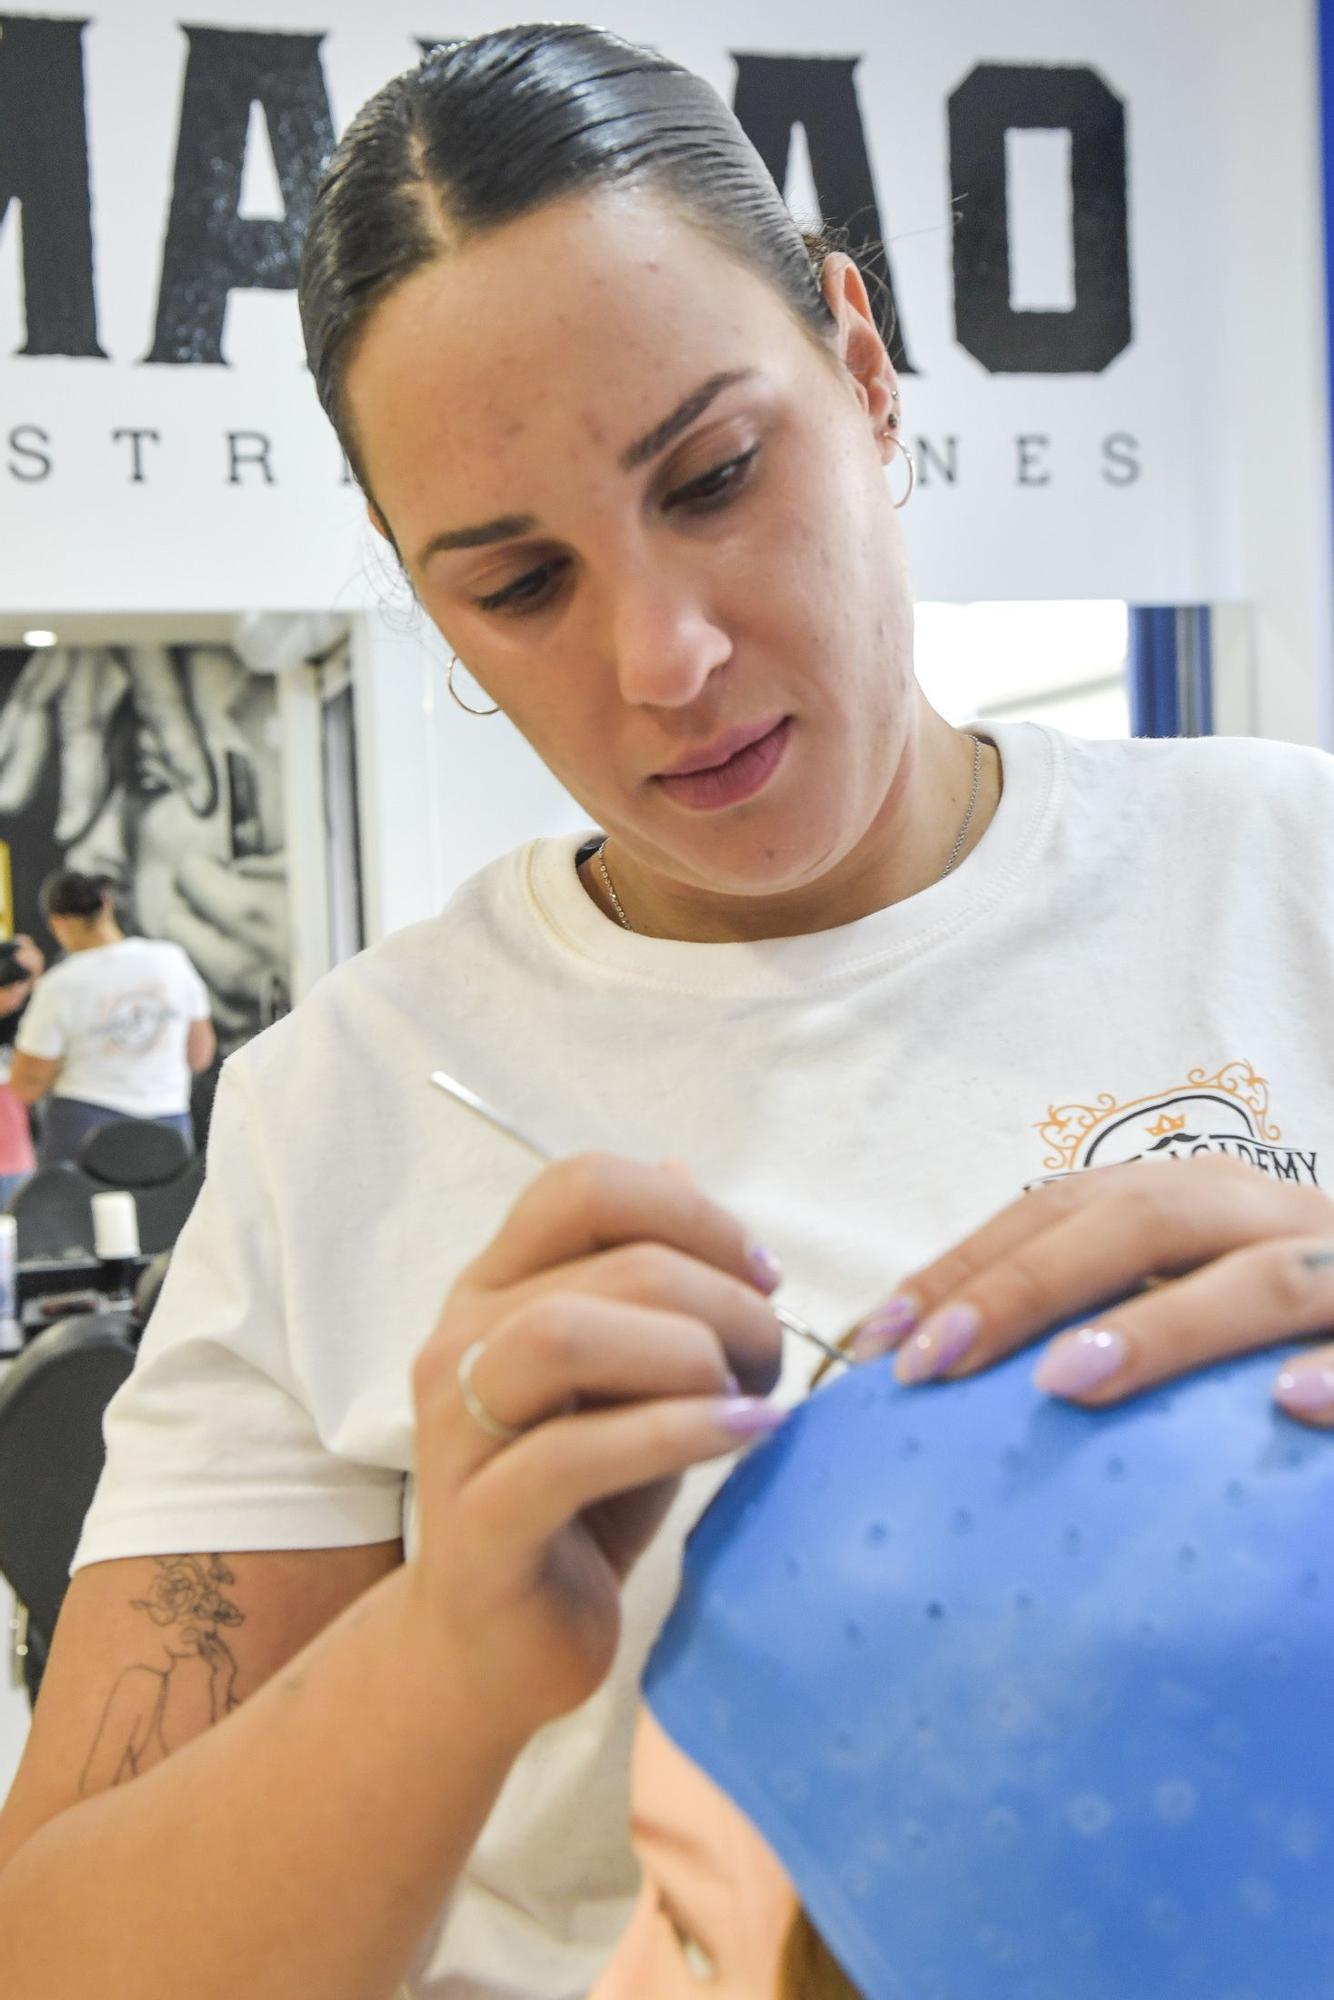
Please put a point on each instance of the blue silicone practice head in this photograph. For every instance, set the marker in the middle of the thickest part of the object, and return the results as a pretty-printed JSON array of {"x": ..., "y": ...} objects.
[{"x": 1032, "y": 1703}]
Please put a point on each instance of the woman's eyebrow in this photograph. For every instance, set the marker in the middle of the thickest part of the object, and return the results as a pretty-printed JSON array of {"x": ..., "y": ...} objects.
[
  {"x": 503, "y": 529},
  {"x": 508, "y": 527},
  {"x": 685, "y": 413}
]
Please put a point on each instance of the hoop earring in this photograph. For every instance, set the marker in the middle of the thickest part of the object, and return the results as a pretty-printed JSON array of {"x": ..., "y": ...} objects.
[
  {"x": 467, "y": 707},
  {"x": 912, "y": 470}
]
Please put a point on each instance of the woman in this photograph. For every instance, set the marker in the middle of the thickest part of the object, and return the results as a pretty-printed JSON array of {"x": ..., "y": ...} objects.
[
  {"x": 17, "y": 1159},
  {"x": 116, "y": 1030},
  {"x": 629, "y": 443}
]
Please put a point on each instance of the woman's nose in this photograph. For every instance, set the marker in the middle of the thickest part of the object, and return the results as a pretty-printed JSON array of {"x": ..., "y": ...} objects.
[{"x": 666, "y": 649}]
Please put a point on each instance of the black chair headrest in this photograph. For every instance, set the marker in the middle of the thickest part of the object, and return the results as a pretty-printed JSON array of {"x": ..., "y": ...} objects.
[
  {"x": 52, "y": 1402},
  {"x": 133, "y": 1152}
]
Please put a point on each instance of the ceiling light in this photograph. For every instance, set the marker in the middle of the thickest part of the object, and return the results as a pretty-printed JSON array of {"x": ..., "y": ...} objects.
[{"x": 37, "y": 637}]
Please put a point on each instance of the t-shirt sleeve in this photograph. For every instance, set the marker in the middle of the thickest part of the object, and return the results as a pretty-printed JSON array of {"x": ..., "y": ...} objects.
[
  {"x": 41, "y": 1030},
  {"x": 211, "y": 1443},
  {"x": 197, "y": 1005}
]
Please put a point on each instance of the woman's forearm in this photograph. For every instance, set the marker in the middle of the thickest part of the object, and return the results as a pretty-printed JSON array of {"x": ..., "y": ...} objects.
[{"x": 301, "y": 1847}]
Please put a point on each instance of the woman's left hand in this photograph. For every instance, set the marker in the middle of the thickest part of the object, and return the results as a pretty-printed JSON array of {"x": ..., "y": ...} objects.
[{"x": 1207, "y": 1258}]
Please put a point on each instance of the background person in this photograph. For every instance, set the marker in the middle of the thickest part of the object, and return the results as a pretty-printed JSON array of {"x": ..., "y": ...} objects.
[
  {"x": 23, "y": 963},
  {"x": 115, "y": 1030},
  {"x": 630, "y": 441}
]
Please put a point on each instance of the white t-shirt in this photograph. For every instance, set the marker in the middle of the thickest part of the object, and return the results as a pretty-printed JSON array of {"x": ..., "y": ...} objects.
[
  {"x": 1137, "y": 958},
  {"x": 116, "y": 1018}
]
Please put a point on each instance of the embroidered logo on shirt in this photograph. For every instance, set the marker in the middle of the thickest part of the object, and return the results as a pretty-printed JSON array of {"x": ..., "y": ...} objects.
[
  {"x": 1223, "y": 1111},
  {"x": 134, "y": 1021}
]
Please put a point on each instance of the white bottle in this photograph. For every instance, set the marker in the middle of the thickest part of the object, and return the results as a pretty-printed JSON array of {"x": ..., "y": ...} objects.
[
  {"x": 10, "y": 1334},
  {"x": 115, "y": 1225}
]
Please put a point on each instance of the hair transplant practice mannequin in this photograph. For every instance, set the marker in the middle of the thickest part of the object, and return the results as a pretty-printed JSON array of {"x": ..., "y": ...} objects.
[{"x": 1070, "y": 1738}]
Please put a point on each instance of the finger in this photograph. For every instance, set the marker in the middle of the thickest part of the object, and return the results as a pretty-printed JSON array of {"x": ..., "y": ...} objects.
[
  {"x": 1252, "y": 1298},
  {"x": 163, "y": 702},
  {"x": 95, "y": 684},
  {"x": 595, "y": 1202},
  {"x": 668, "y": 1281},
  {"x": 1145, "y": 1223},
  {"x": 530, "y": 1490},
  {"x": 1305, "y": 1388},
  {"x": 560, "y": 1352},
  {"x": 925, "y": 1291}
]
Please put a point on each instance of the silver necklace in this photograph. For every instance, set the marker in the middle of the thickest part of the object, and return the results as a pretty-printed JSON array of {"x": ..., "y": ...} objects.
[
  {"x": 950, "y": 865},
  {"x": 957, "y": 848}
]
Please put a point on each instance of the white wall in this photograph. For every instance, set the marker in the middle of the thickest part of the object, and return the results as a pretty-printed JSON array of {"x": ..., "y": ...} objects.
[
  {"x": 1277, "y": 376},
  {"x": 442, "y": 793}
]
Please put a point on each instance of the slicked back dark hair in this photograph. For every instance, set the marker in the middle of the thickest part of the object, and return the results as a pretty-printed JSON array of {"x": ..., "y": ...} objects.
[{"x": 484, "y": 131}]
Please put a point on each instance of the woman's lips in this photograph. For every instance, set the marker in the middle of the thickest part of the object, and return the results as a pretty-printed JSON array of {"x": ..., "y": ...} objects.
[{"x": 738, "y": 777}]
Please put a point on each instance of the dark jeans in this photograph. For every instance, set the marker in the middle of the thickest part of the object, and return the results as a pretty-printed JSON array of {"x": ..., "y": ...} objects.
[{"x": 67, "y": 1121}]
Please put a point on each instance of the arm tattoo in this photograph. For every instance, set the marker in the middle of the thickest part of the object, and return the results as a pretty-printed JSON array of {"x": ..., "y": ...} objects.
[{"x": 156, "y": 1706}]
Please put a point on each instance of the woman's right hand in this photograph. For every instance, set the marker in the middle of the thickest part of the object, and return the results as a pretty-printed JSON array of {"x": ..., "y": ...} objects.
[{"x": 625, "y": 1331}]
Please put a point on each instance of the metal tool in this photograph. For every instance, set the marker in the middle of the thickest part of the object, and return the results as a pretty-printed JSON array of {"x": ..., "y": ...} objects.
[{"x": 460, "y": 1091}]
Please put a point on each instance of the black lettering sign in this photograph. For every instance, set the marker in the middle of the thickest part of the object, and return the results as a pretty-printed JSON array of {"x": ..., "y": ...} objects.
[
  {"x": 248, "y": 448},
  {"x": 1121, "y": 455},
  {"x": 1032, "y": 466},
  {"x": 819, "y": 93},
  {"x": 930, "y": 460},
  {"x": 211, "y": 250},
  {"x": 44, "y": 168},
  {"x": 30, "y": 462},
  {"x": 992, "y": 101},
  {"x": 138, "y": 476}
]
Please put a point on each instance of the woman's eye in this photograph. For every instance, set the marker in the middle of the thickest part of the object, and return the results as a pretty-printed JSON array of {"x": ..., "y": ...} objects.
[
  {"x": 526, "y": 592},
  {"x": 716, "y": 485}
]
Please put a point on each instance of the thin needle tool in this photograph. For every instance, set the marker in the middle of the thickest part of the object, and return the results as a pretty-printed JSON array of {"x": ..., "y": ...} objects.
[{"x": 461, "y": 1093}]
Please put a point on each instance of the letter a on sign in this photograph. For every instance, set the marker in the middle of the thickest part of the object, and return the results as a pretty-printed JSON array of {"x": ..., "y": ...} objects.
[{"x": 211, "y": 249}]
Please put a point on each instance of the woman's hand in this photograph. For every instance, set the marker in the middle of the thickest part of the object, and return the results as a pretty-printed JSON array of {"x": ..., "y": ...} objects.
[
  {"x": 1219, "y": 1259},
  {"x": 626, "y": 1335}
]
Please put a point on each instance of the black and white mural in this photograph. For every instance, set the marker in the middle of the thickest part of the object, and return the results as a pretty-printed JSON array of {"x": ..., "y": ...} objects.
[
  {"x": 158, "y": 767},
  {"x": 1044, "y": 194}
]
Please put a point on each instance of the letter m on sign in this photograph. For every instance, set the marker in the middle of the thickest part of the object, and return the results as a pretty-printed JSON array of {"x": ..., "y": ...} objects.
[{"x": 44, "y": 170}]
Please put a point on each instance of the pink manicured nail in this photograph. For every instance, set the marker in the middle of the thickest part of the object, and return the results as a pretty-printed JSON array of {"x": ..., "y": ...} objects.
[
  {"x": 765, "y": 1269},
  {"x": 1308, "y": 1391},
  {"x": 945, "y": 1339},
  {"x": 1080, "y": 1361},
  {"x": 750, "y": 1416},
  {"x": 882, "y": 1332},
  {"x": 731, "y": 1387}
]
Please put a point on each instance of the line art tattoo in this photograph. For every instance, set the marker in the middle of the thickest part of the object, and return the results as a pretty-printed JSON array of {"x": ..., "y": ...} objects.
[{"x": 156, "y": 1706}]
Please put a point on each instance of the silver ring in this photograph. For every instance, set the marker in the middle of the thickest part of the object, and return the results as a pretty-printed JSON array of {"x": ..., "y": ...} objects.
[{"x": 472, "y": 1402}]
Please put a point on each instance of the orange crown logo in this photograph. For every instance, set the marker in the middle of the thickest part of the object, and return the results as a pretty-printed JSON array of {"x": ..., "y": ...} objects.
[{"x": 1166, "y": 1125}]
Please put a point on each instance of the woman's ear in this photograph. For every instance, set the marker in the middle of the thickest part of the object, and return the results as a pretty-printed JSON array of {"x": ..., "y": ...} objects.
[{"x": 858, "y": 343}]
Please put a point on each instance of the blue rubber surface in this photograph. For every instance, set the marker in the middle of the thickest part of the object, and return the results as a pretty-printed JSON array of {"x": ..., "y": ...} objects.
[{"x": 1033, "y": 1703}]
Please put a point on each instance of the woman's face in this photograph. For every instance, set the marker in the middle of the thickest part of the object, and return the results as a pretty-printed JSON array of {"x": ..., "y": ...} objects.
[
  {"x": 715, "y": 1908},
  {"x": 650, "y": 516}
]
